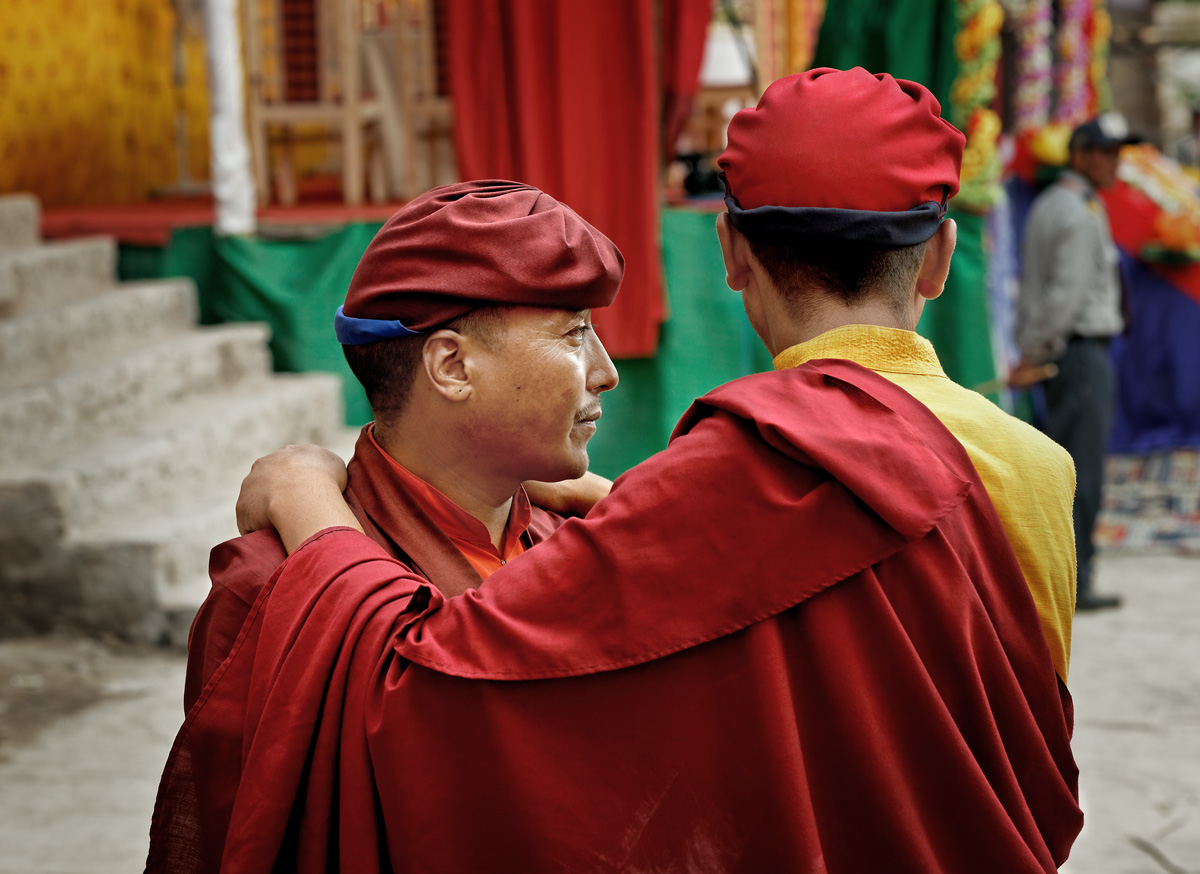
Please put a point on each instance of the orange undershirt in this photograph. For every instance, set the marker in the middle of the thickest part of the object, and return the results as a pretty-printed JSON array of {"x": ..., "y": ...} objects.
[{"x": 464, "y": 530}]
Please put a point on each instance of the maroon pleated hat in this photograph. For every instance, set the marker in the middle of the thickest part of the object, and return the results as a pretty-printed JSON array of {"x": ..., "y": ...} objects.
[
  {"x": 462, "y": 246},
  {"x": 844, "y": 140}
]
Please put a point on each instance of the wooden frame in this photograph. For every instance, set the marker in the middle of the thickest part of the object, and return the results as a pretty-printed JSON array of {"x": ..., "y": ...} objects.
[{"x": 342, "y": 108}]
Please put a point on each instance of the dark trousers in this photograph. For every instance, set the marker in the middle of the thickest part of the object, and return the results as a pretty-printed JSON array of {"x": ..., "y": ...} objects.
[{"x": 1080, "y": 402}]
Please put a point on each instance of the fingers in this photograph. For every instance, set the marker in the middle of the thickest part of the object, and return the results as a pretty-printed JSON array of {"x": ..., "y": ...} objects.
[
  {"x": 569, "y": 497},
  {"x": 251, "y": 507},
  {"x": 281, "y": 474}
]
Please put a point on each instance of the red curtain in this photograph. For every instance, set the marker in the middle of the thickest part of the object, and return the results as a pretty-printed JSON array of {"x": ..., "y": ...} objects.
[
  {"x": 567, "y": 96},
  {"x": 684, "y": 31}
]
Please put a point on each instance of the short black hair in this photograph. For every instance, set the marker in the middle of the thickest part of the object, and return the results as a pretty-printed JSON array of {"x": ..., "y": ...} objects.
[
  {"x": 387, "y": 368},
  {"x": 849, "y": 270}
]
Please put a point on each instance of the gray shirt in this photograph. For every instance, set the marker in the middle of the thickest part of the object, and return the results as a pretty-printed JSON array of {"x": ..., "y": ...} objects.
[{"x": 1070, "y": 283}]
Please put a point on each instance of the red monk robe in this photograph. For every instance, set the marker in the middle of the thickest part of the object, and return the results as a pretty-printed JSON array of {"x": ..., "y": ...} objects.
[
  {"x": 240, "y": 568},
  {"x": 796, "y": 640}
]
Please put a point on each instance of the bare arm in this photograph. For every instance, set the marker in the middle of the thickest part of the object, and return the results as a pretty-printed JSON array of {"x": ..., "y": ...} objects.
[{"x": 297, "y": 491}]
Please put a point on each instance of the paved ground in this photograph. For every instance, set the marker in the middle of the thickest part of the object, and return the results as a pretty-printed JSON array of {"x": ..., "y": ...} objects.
[
  {"x": 1135, "y": 678},
  {"x": 85, "y": 728}
]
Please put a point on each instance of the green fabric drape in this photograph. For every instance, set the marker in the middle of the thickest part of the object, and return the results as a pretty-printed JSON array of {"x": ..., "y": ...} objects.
[
  {"x": 911, "y": 39},
  {"x": 292, "y": 285}
]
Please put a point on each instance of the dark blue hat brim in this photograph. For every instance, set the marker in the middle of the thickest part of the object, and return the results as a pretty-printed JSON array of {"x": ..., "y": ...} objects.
[
  {"x": 888, "y": 229},
  {"x": 359, "y": 332}
]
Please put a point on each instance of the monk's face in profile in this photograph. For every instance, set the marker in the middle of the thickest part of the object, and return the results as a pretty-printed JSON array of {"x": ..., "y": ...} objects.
[{"x": 537, "y": 393}]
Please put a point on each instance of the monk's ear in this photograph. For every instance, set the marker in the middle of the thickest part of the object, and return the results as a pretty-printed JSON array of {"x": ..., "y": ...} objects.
[
  {"x": 735, "y": 249},
  {"x": 444, "y": 363},
  {"x": 936, "y": 265}
]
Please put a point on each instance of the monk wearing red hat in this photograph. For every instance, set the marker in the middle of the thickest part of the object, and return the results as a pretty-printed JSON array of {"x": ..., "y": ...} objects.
[
  {"x": 807, "y": 636},
  {"x": 468, "y": 323}
]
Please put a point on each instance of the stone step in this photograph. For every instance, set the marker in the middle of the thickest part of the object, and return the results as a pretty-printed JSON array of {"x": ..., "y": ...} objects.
[
  {"x": 20, "y": 220},
  {"x": 125, "y": 433},
  {"x": 39, "y": 346},
  {"x": 147, "y": 574},
  {"x": 105, "y": 396},
  {"x": 146, "y": 583},
  {"x": 35, "y": 570},
  {"x": 152, "y": 462},
  {"x": 52, "y": 274}
]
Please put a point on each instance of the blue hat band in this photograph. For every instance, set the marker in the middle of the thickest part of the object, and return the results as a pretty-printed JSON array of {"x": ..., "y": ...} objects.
[
  {"x": 358, "y": 332},
  {"x": 890, "y": 229}
]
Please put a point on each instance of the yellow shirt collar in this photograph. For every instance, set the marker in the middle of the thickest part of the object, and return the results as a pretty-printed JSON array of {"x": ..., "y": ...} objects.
[{"x": 886, "y": 350}]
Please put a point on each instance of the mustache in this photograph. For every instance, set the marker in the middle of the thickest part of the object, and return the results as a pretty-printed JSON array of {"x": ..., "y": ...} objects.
[{"x": 589, "y": 413}]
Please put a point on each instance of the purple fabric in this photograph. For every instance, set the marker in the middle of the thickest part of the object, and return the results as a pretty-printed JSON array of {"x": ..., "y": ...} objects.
[{"x": 1158, "y": 366}]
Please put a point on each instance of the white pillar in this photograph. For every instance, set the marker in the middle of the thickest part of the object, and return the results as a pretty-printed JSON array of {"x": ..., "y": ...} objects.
[{"x": 232, "y": 178}]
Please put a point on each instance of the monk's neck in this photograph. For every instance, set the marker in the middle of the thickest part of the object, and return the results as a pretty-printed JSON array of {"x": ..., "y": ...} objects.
[
  {"x": 452, "y": 473},
  {"x": 787, "y": 330}
]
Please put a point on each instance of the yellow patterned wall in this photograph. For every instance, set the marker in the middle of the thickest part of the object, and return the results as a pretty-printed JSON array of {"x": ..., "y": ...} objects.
[{"x": 89, "y": 105}]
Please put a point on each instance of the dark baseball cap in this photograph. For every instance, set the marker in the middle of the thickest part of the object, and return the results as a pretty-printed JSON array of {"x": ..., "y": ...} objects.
[{"x": 1107, "y": 131}]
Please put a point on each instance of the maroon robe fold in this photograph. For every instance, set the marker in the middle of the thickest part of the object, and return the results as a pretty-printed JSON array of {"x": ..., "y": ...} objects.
[
  {"x": 205, "y": 761},
  {"x": 795, "y": 640}
]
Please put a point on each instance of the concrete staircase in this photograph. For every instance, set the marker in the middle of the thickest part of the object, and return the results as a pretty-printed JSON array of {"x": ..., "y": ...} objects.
[{"x": 125, "y": 431}]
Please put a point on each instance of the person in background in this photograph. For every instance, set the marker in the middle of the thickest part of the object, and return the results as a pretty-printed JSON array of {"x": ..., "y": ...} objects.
[{"x": 1068, "y": 310}]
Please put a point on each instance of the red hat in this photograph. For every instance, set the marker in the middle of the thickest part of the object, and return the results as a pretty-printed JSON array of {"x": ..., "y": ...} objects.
[
  {"x": 842, "y": 140},
  {"x": 472, "y": 244}
]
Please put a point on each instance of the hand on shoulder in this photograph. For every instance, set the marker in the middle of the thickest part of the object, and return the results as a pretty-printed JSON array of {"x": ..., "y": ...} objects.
[
  {"x": 298, "y": 491},
  {"x": 572, "y": 497}
]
